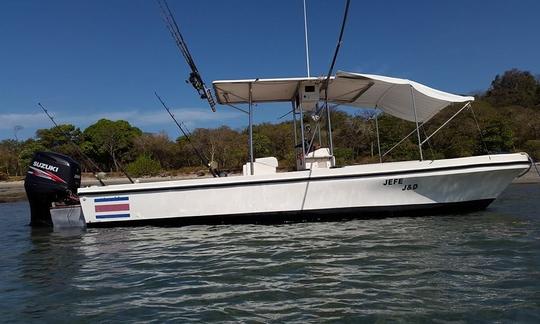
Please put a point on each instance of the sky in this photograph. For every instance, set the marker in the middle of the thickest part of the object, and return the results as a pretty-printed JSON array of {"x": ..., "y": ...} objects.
[{"x": 86, "y": 60}]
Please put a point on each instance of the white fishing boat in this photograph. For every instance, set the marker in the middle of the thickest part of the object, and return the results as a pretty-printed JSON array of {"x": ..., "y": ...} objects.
[{"x": 318, "y": 190}]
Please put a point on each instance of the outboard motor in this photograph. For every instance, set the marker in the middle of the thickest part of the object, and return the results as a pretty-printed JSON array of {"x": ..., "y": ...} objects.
[{"x": 51, "y": 178}]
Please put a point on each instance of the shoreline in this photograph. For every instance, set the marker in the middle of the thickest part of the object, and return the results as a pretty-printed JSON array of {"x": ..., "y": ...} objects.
[{"x": 13, "y": 191}]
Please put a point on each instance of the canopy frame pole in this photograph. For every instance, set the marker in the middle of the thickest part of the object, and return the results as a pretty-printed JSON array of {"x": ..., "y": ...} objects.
[
  {"x": 417, "y": 127},
  {"x": 331, "y": 144},
  {"x": 251, "y": 159},
  {"x": 311, "y": 146},
  {"x": 450, "y": 119},
  {"x": 302, "y": 138},
  {"x": 378, "y": 139},
  {"x": 319, "y": 124},
  {"x": 294, "y": 123}
]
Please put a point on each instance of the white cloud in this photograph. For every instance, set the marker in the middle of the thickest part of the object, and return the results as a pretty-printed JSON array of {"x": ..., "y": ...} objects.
[{"x": 9, "y": 121}]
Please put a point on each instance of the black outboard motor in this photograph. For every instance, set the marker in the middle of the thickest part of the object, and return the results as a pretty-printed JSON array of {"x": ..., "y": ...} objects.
[{"x": 51, "y": 178}]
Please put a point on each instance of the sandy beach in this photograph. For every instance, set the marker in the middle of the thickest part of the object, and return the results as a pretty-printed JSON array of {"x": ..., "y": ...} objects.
[{"x": 14, "y": 190}]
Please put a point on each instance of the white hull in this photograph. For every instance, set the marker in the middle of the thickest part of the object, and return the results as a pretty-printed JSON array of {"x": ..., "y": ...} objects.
[{"x": 471, "y": 182}]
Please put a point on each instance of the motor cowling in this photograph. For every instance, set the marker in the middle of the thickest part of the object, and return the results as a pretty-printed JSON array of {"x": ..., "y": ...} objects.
[{"x": 51, "y": 178}]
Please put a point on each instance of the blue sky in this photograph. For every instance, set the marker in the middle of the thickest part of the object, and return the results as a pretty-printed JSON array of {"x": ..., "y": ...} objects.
[{"x": 86, "y": 60}]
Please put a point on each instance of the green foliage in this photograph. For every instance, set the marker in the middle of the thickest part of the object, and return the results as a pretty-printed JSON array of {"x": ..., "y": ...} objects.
[
  {"x": 29, "y": 148},
  {"x": 144, "y": 165},
  {"x": 261, "y": 145},
  {"x": 514, "y": 87},
  {"x": 344, "y": 155},
  {"x": 392, "y": 130},
  {"x": 9, "y": 157},
  {"x": 110, "y": 142},
  {"x": 497, "y": 136},
  {"x": 225, "y": 146},
  {"x": 357, "y": 133},
  {"x": 533, "y": 148},
  {"x": 62, "y": 139},
  {"x": 159, "y": 147},
  {"x": 59, "y": 136},
  {"x": 278, "y": 139}
]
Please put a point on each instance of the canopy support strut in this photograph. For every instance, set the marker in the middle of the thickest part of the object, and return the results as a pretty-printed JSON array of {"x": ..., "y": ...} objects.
[
  {"x": 378, "y": 138},
  {"x": 252, "y": 171},
  {"x": 398, "y": 143},
  {"x": 302, "y": 138},
  {"x": 331, "y": 144},
  {"x": 294, "y": 123},
  {"x": 417, "y": 127},
  {"x": 438, "y": 129}
]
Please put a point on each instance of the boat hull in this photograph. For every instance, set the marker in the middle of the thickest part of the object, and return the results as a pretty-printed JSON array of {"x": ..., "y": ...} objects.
[
  {"x": 322, "y": 215},
  {"x": 379, "y": 190}
]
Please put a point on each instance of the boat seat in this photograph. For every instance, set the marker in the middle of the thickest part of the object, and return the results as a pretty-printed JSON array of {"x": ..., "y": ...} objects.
[
  {"x": 265, "y": 165},
  {"x": 320, "y": 159}
]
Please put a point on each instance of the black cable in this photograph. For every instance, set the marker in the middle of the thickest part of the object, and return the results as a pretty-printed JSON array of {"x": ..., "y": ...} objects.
[
  {"x": 336, "y": 51},
  {"x": 327, "y": 81}
]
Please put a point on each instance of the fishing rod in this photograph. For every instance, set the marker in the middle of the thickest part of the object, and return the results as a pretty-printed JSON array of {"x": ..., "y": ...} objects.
[
  {"x": 194, "y": 77},
  {"x": 211, "y": 165},
  {"x": 118, "y": 164},
  {"x": 327, "y": 81},
  {"x": 92, "y": 163}
]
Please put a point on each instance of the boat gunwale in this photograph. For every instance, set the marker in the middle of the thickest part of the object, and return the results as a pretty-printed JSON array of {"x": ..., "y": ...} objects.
[{"x": 270, "y": 181}]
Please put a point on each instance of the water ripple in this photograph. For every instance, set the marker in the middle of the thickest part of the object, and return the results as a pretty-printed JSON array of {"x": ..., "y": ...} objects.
[{"x": 481, "y": 267}]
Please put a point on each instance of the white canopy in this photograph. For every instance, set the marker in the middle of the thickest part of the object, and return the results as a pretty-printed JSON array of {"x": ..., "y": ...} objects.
[
  {"x": 262, "y": 90},
  {"x": 392, "y": 95}
]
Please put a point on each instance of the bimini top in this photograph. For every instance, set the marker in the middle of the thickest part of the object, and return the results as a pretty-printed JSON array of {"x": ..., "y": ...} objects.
[{"x": 392, "y": 95}]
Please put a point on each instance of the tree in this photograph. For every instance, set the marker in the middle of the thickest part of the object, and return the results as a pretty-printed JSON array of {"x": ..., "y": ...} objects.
[
  {"x": 109, "y": 141},
  {"x": 29, "y": 148},
  {"x": 223, "y": 145},
  {"x": 533, "y": 148},
  {"x": 514, "y": 87},
  {"x": 9, "y": 157},
  {"x": 61, "y": 138},
  {"x": 497, "y": 136},
  {"x": 392, "y": 131},
  {"x": 59, "y": 135},
  {"x": 144, "y": 165},
  {"x": 158, "y": 147},
  {"x": 538, "y": 90},
  {"x": 273, "y": 140},
  {"x": 357, "y": 133}
]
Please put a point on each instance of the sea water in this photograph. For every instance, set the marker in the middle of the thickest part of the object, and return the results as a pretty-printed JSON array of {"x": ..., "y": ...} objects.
[{"x": 479, "y": 267}]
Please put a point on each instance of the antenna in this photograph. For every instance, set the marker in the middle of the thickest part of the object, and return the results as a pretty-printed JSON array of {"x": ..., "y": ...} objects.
[
  {"x": 16, "y": 129},
  {"x": 306, "y": 34},
  {"x": 194, "y": 77}
]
